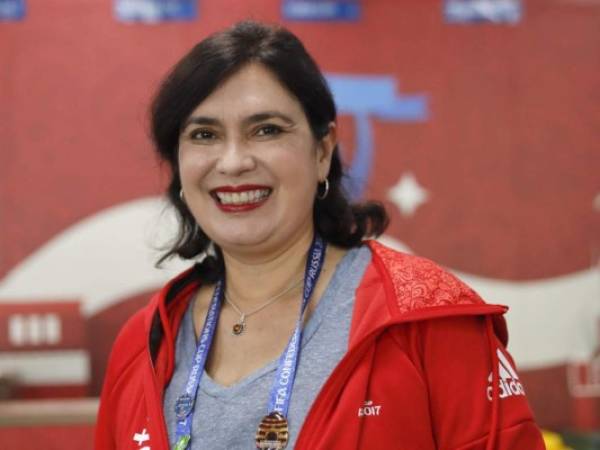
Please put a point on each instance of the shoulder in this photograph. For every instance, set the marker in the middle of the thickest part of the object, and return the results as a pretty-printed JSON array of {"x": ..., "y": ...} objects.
[
  {"x": 130, "y": 344},
  {"x": 398, "y": 288},
  {"x": 132, "y": 332},
  {"x": 418, "y": 282},
  {"x": 123, "y": 384},
  {"x": 153, "y": 325}
]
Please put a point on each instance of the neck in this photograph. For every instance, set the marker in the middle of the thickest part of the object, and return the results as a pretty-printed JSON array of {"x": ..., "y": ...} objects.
[{"x": 252, "y": 278}]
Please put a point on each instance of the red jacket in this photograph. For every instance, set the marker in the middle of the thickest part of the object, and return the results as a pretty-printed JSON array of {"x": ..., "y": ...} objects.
[{"x": 426, "y": 369}]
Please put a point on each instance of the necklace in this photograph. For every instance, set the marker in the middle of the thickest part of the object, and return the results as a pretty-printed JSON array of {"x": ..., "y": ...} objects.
[
  {"x": 240, "y": 326},
  {"x": 273, "y": 431}
]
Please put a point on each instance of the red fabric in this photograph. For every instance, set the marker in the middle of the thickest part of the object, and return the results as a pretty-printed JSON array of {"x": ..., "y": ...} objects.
[{"x": 417, "y": 374}]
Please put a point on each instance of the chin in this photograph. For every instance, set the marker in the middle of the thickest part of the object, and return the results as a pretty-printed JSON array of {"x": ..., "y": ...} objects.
[
  {"x": 243, "y": 240},
  {"x": 260, "y": 236}
]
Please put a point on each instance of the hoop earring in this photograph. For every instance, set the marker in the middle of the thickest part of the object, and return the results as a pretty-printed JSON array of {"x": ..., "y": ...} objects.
[
  {"x": 181, "y": 197},
  {"x": 325, "y": 190}
]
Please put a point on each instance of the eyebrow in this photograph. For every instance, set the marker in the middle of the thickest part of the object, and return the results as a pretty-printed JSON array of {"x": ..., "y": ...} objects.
[
  {"x": 200, "y": 120},
  {"x": 266, "y": 115},
  {"x": 254, "y": 118}
]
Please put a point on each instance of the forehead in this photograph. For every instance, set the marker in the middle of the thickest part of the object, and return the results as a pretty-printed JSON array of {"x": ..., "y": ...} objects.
[{"x": 252, "y": 89}]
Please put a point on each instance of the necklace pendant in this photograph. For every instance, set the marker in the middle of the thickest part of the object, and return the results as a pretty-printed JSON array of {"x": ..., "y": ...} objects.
[
  {"x": 273, "y": 432},
  {"x": 238, "y": 328}
]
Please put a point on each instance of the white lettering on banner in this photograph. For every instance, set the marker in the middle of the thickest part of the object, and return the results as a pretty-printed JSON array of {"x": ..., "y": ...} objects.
[
  {"x": 369, "y": 409},
  {"x": 34, "y": 329},
  {"x": 508, "y": 382}
]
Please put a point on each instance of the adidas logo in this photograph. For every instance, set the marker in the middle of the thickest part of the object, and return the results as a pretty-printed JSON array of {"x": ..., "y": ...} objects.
[{"x": 509, "y": 380}]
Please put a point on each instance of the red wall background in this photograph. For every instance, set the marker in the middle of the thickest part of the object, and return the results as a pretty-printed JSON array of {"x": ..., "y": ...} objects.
[{"x": 509, "y": 153}]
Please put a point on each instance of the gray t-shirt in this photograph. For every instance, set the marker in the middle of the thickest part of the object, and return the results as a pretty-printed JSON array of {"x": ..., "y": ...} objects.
[{"x": 228, "y": 416}]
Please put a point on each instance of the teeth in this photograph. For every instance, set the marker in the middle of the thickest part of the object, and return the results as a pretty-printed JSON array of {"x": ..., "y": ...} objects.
[{"x": 241, "y": 198}]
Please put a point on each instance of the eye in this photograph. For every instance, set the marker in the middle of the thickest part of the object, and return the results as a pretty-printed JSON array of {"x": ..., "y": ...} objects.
[
  {"x": 202, "y": 134},
  {"x": 268, "y": 130}
]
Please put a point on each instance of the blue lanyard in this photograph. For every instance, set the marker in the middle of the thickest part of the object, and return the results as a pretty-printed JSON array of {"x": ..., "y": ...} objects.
[{"x": 279, "y": 400}]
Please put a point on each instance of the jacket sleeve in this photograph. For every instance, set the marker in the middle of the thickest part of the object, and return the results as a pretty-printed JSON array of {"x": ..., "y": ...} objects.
[
  {"x": 104, "y": 438},
  {"x": 477, "y": 401},
  {"x": 104, "y": 435},
  {"x": 125, "y": 349}
]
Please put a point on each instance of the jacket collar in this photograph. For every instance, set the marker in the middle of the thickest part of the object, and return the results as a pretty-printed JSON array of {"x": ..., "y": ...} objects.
[{"x": 396, "y": 288}]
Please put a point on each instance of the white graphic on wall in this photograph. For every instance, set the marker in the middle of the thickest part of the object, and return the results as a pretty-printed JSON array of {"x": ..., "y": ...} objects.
[
  {"x": 407, "y": 194},
  {"x": 564, "y": 308}
]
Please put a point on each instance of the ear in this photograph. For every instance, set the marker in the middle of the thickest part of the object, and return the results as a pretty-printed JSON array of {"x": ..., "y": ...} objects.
[{"x": 325, "y": 149}]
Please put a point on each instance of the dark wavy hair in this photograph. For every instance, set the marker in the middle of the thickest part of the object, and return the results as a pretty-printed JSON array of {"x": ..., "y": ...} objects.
[{"x": 198, "y": 74}]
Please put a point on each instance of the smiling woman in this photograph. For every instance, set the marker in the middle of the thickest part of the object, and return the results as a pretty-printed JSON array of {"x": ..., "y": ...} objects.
[
  {"x": 234, "y": 353},
  {"x": 297, "y": 105},
  {"x": 249, "y": 164}
]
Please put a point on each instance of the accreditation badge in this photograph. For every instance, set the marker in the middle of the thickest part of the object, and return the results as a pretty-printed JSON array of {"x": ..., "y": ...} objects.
[
  {"x": 183, "y": 406},
  {"x": 272, "y": 433}
]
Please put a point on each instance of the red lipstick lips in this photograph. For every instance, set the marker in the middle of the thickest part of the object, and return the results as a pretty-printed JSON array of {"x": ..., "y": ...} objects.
[{"x": 240, "y": 198}]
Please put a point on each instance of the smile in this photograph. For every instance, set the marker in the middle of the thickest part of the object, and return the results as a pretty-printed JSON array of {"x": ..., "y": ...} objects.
[{"x": 240, "y": 198}]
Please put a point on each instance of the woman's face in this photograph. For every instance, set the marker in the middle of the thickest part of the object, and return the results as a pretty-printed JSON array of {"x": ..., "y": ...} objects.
[{"x": 249, "y": 164}]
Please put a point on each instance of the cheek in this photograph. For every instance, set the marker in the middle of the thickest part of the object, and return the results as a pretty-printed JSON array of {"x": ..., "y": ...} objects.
[
  {"x": 300, "y": 179},
  {"x": 192, "y": 165}
]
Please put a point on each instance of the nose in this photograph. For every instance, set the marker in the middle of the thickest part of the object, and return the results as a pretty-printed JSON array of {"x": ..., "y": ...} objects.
[{"x": 235, "y": 159}]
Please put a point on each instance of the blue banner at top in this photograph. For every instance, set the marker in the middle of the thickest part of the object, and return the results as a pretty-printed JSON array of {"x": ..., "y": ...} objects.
[
  {"x": 12, "y": 9},
  {"x": 154, "y": 11},
  {"x": 477, "y": 11},
  {"x": 344, "y": 10}
]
